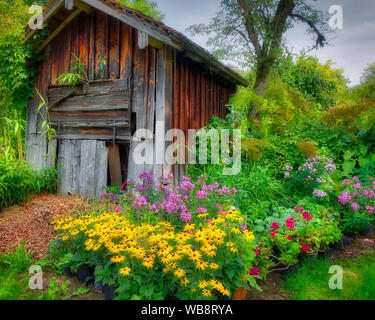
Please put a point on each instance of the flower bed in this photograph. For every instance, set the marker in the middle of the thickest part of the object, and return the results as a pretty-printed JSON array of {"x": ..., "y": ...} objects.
[{"x": 184, "y": 242}]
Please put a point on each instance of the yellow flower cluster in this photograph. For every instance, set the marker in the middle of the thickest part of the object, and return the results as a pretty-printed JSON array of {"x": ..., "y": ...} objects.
[{"x": 160, "y": 247}]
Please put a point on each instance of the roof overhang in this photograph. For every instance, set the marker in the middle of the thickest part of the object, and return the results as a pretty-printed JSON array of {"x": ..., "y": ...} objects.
[{"x": 139, "y": 21}]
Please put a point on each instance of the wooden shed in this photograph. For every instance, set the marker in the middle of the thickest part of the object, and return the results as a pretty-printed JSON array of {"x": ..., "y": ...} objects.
[{"x": 140, "y": 72}]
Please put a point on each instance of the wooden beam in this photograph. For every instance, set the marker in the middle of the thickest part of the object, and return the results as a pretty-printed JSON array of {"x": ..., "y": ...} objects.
[
  {"x": 83, "y": 6},
  {"x": 155, "y": 43},
  {"x": 59, "y": 29},
  {"x": 69, "y": 4},
  {"x": 142, "y": 40}
]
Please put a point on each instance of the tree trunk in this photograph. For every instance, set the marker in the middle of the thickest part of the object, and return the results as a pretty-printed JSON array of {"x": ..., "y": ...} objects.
[{"x": 260, "y": 85}]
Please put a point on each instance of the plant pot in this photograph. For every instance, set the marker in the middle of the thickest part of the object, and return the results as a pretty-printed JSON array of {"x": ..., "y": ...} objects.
[
  {"x": 309, "y": 257},
  {"x": 326, "y": 254},
  {"x": 367, "y": 231},
  {"x": 67, "y": 270},
  {"x": 289, "y": 269},
  {"x": 353, "y": 236},
  {"x": 99, "y": 286},
  {"x": 339, "y": 245},
  {"x": 85, "y": 274},
  {"x": 109, "y": 292},
  {"x": 347, "y": 241}
]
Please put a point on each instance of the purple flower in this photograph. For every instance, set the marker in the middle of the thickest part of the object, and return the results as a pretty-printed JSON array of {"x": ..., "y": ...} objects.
[
  {"x": 201, "y": 194},
  {"x": 287, "y": 175},
  {"x": 140, "y": 202},
  {"x": 344, "y": 198},
  {"x": 355, "y": 206},
  {"x": 186, "y": 217},
  {"x": 244, "y": 227},
  {"x": 103, "y": 195},
  {"x": 320, "y": 193},
  {"x": 346, "y": 182},
  {"x": 357, "y": 186},
  {"x": 330, "y": 167},
  {"x": 119, "y": 209},
  {"x": 288, "y": 168},
  {"x": 201, "y": 210},
  {"x": 370, "y": 209}
]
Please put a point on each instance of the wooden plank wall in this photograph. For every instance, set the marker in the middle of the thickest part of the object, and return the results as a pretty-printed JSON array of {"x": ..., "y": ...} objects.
[
  {"x": 197, "y": 96},
  {"x": 164, "y": 86}
]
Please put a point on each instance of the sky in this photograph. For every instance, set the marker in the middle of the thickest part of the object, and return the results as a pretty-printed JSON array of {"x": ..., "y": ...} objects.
[{"x": 351, "y": 48}]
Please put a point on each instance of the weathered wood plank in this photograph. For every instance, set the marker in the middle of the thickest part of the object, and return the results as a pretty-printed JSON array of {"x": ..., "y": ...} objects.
[
  {"x": 114, "y": 165},
  {"x": 101, "y": 45},
  {"x": 99, "y": 103},
  {"x": 159, "y": 115},
  {"x": 91, "y": 137},
  {"x": 118, "y": 115},
  {"x": 84, "y": 39},
  {"x": 92, "y": 49},
  {"x": 101, "y": 168},
  {"x": 151, "y": 111},
  {"x": 92, "y": 124},
  {"x": 87, "y": 169},
  {"x": 114, "y": 48},
  {"x": 168, "y": 100},
  {"x": 100, "y": 87}
]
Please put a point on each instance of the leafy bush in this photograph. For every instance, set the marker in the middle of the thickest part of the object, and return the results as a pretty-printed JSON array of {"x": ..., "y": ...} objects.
[
  {"x": 18, "y": 181},
  {"x": 298, "y": 231}
]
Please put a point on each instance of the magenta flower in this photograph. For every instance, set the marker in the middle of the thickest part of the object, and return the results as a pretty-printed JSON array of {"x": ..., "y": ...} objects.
[
  {"x": 201, "y": 194},
  {"x": 255, "y": 271},
  {"x": 370, "y": 209},
  {"x": 201, "y": 210},
  {"x": 275, "y": 226},
  {"x": 355, "y": 206},
  {"x": 307, "y": 216},
  {"x": 305, "y": 247}
]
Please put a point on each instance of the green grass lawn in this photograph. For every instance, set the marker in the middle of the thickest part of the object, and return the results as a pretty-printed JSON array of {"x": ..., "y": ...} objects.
[
  {"x": 311, "y": 282},
  {"x": 14, "y": 280}
]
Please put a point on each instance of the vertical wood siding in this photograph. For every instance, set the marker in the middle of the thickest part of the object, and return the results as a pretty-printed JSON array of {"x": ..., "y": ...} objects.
[{"x": 165, "y": 86}]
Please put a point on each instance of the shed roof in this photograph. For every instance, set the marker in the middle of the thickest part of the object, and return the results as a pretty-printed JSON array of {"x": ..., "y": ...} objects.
[{"x": 136, "y": 19}]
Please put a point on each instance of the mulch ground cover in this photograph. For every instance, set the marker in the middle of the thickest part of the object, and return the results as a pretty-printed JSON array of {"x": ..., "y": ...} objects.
[{"x": 30, "y": 223}]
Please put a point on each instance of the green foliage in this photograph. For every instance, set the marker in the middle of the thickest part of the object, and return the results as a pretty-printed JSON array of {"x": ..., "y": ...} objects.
[
  {"x": 311, "y": 282},
  {"x": 320, "y": 82},
  {"x": 18, "y": 181},
  {"x": 148, "y": 7}
]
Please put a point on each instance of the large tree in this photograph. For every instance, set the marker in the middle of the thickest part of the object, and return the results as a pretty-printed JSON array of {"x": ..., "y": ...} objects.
[{"x": 251, "y": 32}]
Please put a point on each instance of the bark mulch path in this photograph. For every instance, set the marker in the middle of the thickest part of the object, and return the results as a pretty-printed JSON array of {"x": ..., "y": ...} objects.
[{"x": 30, "y": 223}]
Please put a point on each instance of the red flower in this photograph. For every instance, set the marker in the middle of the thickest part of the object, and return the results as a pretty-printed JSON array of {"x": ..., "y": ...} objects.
[
  {"x": 307, "y": 215},
  {"x": 290, "y": 223},
  {"x": 273, "y": 234},
  {"x": 305, "y": 247},
  {"x": 255, "y": 271},
  {"x": 290, "y": 238},
  {"x": 275, "y": 226},
  {"x": 257, "y": 251},
  {"x": 298, "y": 209}
]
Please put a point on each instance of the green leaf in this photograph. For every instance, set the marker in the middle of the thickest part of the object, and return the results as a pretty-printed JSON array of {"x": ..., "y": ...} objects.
[
  {"x": 348, "y": 167},
  {"x": 349, "y": 154}
]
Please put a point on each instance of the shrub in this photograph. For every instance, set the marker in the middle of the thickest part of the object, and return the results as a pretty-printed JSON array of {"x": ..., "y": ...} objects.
[
  {"x": 253, "y": 149},
  {"x": 308, "y": 149},
  {"x": 298, "y": 231}
]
